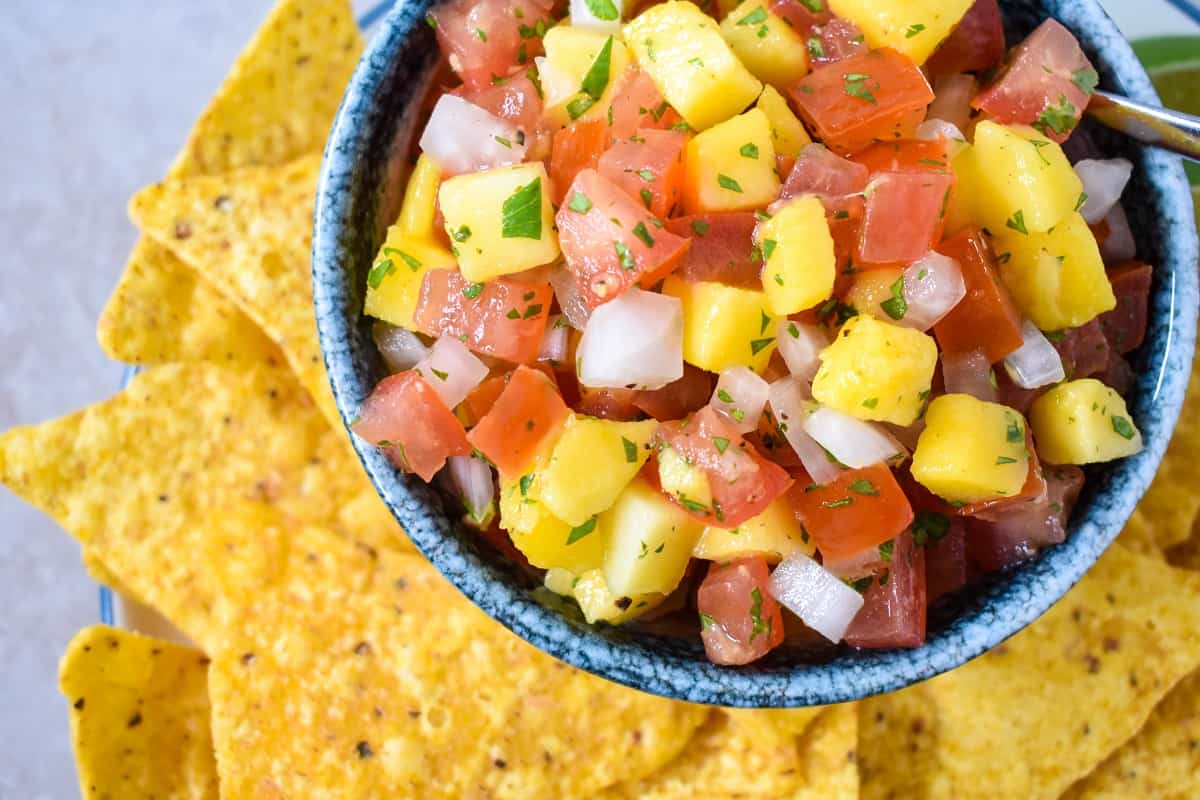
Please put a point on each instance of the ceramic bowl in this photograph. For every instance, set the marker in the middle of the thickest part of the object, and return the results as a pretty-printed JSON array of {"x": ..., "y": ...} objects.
[{"x": 366, "y": 160}]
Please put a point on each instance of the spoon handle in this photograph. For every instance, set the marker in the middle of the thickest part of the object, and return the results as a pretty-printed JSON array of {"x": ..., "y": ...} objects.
[{"x": 1163, "y": 127}]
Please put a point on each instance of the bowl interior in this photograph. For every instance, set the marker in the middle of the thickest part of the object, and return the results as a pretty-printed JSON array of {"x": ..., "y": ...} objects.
[{"x": 366, "y": 160}]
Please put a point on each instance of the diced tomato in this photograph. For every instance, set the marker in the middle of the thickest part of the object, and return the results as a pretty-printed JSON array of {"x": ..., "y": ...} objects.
[
  {"x": 1119, "y": 376},
  {"x": 771, "y": 442},
  {"x": 722, "y": 248},
  {"x": 976, "y": 44},
  {"x": 514, "y": 98},
  {"x": 986, "y": 318},
  {"x": 893, "y": 612},
  {"x": 679, "y": 398},
  {"x": 1101, "y": 231},
  {"x": 1047, "y": 83},
  {"x": 945, "y": 556},
  {"x": 1084, "y": 350},
  {"x": 904, "y": 216},
  {"x": 876, "y": 96},
  {"x": 649, "y": 167},
  {"x": 1013, "y": 396},
  {"x": 740, "y": 621},
  {"x": 616, "y": 404},
  {"x": 906, "y": 155},
  {"x": 407, "y": 418},
  {"x": 526, "y": 414},
  {"x": 576, "y": 147},
  {"x": 611, "y": 242},
  {"x": 1002, "y": 539},
  {"x": 859, "y": 510},
  {"x": 505, "y": 319},
  {"x": 821, "y": 172},
  {"x": 741, "y": 481},
  {"x": 1125, "y": 325},
  {"x": 837, "y": 40},
  {"x": 485, "y": 38},
  {"x": 637, "y": 103},
  {"x": 480, "y": 401},
  {"x": 801, "y": 16}
]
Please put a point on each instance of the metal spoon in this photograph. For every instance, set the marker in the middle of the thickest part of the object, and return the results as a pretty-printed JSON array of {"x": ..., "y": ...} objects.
[{"x": 1163, "y": 127}]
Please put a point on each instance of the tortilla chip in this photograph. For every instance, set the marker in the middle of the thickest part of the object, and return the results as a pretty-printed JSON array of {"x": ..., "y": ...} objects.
[
  {"x": 1186, "y": 555},
  {"x": 766, "y": 721},
  {"x": 1161, "y": 762},
  {"x": 139, "y": 716},
  {"x": 1040, "y": 711},
  {"x": 349, "y": 672}
]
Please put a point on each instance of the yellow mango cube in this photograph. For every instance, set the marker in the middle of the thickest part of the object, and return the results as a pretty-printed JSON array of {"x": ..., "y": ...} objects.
[
  {"x": 650, "y": 542},
  {"x": 420, "y": 199},
  {"x": 543, "y": 538},
  {"x": 501, "y": 220},
  {"x": 1057, "y": 278},
  {"x": 872, "y": 288},
  {"x": 912, "y": 27},
  {"x": 723, "y": 326},
  {"x": 971, "y": 450},
  {"x": 682, "y": 50},
  {"x": 599, "y": 604},
  {"x": 1025, "y": 182},
  {"x": 963, "y": 209},
  {"x": 799, "y": 262},
  {"x": 573, "y": 55},
  {"x": 591, "y": 463},
  {"x": 1083, "y": 422},
  {"x": 683, "y": 481},
  {"x": 874, "y": 370},
  {"x": 787, "y": 131},
  {"x": 394, "y": 280},
  {"x": 731, "y": 166},
  {"x": 774, "y": 534},
  {"x": 770, "y": 49}
]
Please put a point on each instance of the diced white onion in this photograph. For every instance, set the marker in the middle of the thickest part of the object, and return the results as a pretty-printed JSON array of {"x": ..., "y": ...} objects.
[
  {"x": 933, "y": 129},
  {"x": 452, "y": 370},
  {"x": 1103, "y": 182},
  {"x": 801, "y": 346},
  {"x": 852, "y": 441},
  {"x": 566, "y": 291},
  {"x": 473, "y": 479},
  {"x": 746, "y": 393},
  {"x": 862, "y": 563},
  {"x": 1035, "y": 363},
  {"x": 790, "y": 401},
  {"x": 815, "y": 595},
  {"x": 1119, "y": 246},
  {"x": 582, "y": 16},
  {"x": 634, "y": 341},
  {"x": 554, "y": 341},
  {"x": 401, "y": 349},
  {"x": 969, "y": 373},
  {"x": 557, "y": 85},
  {"x": 933, "y": 286},
  {"x": 462, "y": 137}
]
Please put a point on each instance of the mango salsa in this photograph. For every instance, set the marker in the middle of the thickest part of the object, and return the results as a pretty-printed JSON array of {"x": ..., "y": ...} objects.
[
  {"x": 912, "y": 27},
  {"x": 591, "y": 463},
  {"x": 963, "y": 209},
  {"x": 650, "y": 541},
  {"x": 767, "y": 45},
  {"x": 420, "y": 199},
  {"x": 971, "y": 450},
  {"x": 681, "y": 480},
  {"x": 731, "y": 166},
  {"x": 799, "y": 262},
  {"x": 723, "y": 326},
  {"x": 774, "y": 534},
  {"x": 544, "y": 539},
  {"x": 394, "y": 280},
  {"x": 599, "y": 604},
  {"x": 1025, "y": 183},
  {"x": 787, "y": 131},
  {"x": 871, "y": 289},
  {"x": 1083, "y": 422},
  {"x": 575, "y": 56}
]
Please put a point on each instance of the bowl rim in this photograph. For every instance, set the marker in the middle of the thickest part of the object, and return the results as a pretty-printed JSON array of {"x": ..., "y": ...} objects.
[{"x": 999, "y": 610}]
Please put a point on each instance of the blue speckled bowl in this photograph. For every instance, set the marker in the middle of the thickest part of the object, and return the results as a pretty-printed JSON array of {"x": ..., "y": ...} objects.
[{"x": 361, "y": 180}]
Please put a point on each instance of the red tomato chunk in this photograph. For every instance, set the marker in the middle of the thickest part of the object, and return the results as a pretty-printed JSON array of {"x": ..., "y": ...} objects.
[
  {"x": 576, "y": 147},
  {"x": 837, "y": 40},
  {"x": 906, "y": 155},
  {"x": 514, "y": 98},
  {"x": 649, "y": 167},
  {"x": 858, "y": 511},
  {"x": 1125, "y": 325},
  {"x": 995, "y": 541},
  {"x": 739, "y": 621},
  {"x": 406, "y": 416},
  {"x": 500, "y": 318},
  {"x": 677, "y": 399},
  {"x": 1084, "y": 350},
  {"x": 893, "y": 612},
  {"x": 526, "y": 413},
  {"x": 976, "y": 44},
  {"x": 904, "y": 216},
  {"x": 801, "y": 16},
  {"x": 986, "y": 318},
  {"x": 946, "y": 568},
  {"x": 616, "y": 404},
  {"x": 485, "y": 38},
  {"x": 722, "y": 248},
  {"x": 637, "y": 103}
]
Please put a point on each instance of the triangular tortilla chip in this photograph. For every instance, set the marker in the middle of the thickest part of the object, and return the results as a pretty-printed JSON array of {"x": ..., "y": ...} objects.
[
  {"x": 1040, "y": 711},
  {"x": 139, "y": 716}
]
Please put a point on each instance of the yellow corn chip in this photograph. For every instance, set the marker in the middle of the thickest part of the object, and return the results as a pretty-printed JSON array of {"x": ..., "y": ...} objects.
[
  {"x": 139, "y": 716},
  {"x": 1042, "y": 710},
  {"x": 767, "y": 721},
  {"x": 1162, "y": 762}
]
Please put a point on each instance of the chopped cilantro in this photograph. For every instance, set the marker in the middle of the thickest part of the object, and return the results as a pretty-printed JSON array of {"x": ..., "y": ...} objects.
[
  {"x": 596, "y": 79},
  {"x": 766, "y": 321},
  {"x": 749, "y": 150},
  {"x": 631, "y": 451},
  {"x": 1083, "y": 198},
  {"x": 1059, "y": 118},
  {"x": 646, "y": 175},
  {"x": 525, "y": 482},
  {"x": 1017, "y": 222},
  {"x": 647, "y": 197},
  {"x": 793, "y": 330},
  {"x": 580, "y": 203},
  {"x": 757, "y": 345},
  {"x": 1015, "y": 432},
  {"x": 754, "y": 17},
  {"x": 855, "y": 85},
  {"x": 929, "y": 527},
  {"x": 759, "y": 626},
  {"x": 913, "y": 30},
  {"x": 462, "y": 234},
  {"x": 473, "y": 291},
  {"x": 1005, "y": 460},
  {"x": 642, "y": 233},
  {"x": 503, "y": 142},
  {"x": 817, "y": 50},
  {"x": 379, "y": 271},
  {"x": 481, "y": 34},
  {"x": 1123, "y": 427},
  {"x": 864, "y": 487},
  {"x": 896, "y": 306},
  {"x": 768, "y": 247},
  {"x": 729, "y": 183},
  {"x": 706, "y": 621},
  {"x": 1086, "y": 79},
  {"x": 603, "y": 9},
  {"x": 532, "y": 311},
  {"x": 522, "y": 212},
  {"x": 721, "y": 444},
  {"x": 885, "y": 550},
  {"x": 625, "y": 257},
  {"x": 700, "y": 227},
  {"x": 579, "y": 106},
  {"x": 845, "y": 501},
  {"x": 441, "y": 376},
  {"x": 580, "y": 531}
]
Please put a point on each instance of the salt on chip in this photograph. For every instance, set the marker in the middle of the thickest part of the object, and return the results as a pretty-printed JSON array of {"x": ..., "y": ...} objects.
[
  {"x": 140, "y": 717},
  {"x": 1039, "y": 712}
]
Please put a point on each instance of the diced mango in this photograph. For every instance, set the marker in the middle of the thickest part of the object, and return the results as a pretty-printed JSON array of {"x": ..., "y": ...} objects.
[
  {"x": 599, "y": 604},
  {"x": 420, "y": 199},
  {"x": 693, "y": 66},
  {"x": 394, "y": 280},
  {"x": 543, "y": 538},
  {"x": 799, "y": 262},
  {"x": 774, "y": 534},
  {"x": 870, "y": 289},
  {"x": 731, "y": 166},
  {"x": 971, "y": 450},
  {"x": 767, "y": 45},
  {"x": 683, "y": 481},
  {"x": 650, "y": 541},
  {"x": 1083, "y": 422},
  {"x": 501, "y": 220},
  {"x": 1056, "y": 278},
  {"x": 560, "y": 581},
  {"x": 1025, "y": 182},
  {"x": 571, "y": 54},
  {"x": 877, "y": 371},
  {"x": 913, "y": 27},
  {"x": 963, "y": 209},
  {"x": 787, "y": 131},
  {"x": 723, "y": 326},
  {"x": 591, "y": 463}
]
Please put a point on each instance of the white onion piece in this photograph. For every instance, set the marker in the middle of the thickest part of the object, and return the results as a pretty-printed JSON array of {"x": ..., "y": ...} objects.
[
  {"x": 791, "y": 403},
  {"x": 746, "y": 393},
  {"x": 1119, "y": 246},
  {"x": 1035, "y": 363},
  {"x": 852, "y": 441},
  {"x": 473, "y": 480},
  {"x": 1103, "y": 182},
  {"x": 566, "y": 291},
  {"x": 933, "y": 286},
  {"x": 933, "y": 129},
  {"x": 815, "y": 595},
  {"x": 801, "y": 346},
  {"x": 401, "y": 349},
  {"x": 952, "y": 95},
  {"x": 557, "y": 85},
  {"x": 452, "y": 370},
  {"x": 582, "y": 17},
  {"x": 554, "y": 341},
  {"x": 969, "y": 373},
  {"x": 462, "y": 137},
  {"x": 634, "y": 341}
]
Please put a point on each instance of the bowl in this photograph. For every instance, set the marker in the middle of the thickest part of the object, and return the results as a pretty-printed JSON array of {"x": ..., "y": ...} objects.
[{"x": 366, "y": 160}]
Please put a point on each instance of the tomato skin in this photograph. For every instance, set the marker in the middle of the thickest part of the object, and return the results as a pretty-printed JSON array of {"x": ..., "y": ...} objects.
[
  {"x": 499, "y": 321},
  {"x": 904, "y": 216},
  {"x": 724, "y": 252},
  {"x": 820, "y": 171},
  {"x": 637, "y": 103},
  {"x": 976, "y": 44},
  {"x": 839, "y": 39},
  {"x": 658, "y": 154},
  {"x": 516, "y": 99},
  {"x": 1084, "y": 350},
  {"x": 843, "y": 530},
  {"x": 1125, "y": 325},
  {"x": 480, "y": 401},
  {"x": 847, "y": 123},
  {"x": 482, "y": 38},
  {"x": 740, "y": 621},
  {"x": 946, "y": 568},
  {"x": 678, "y": 399},
  {"x": 407, "y": 418},
  {"x": 986, "y": 317},
  {"x": 576, "y": 147},
  {"x": 614, "y": 404},
  {"x": 893, "y": 612},
  {"x": 527, "y": 413},
  {"x": 906, "y": 155}
]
